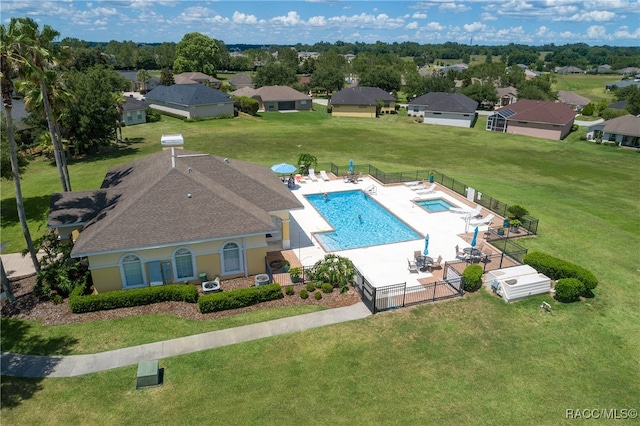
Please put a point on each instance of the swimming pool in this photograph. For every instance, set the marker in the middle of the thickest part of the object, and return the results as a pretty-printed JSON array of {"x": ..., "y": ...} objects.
[
  {"x": 358, "y": 221},
  {"x": 435, "y": 205}
]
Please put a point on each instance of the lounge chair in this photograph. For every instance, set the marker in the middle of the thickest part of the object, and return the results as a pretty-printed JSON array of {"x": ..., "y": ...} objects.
[
  {"x": 323, "y": 175},
  {"x": 312, "y": 175},
  {"x": 425, "y": 190},
  {"x": 413, "y": 183},
  {"x": 413, "y": 266},
  {"x": 436, "y": 265},
  {"x": 467, "y": 211},
  {"x": 484, "y": 221}
]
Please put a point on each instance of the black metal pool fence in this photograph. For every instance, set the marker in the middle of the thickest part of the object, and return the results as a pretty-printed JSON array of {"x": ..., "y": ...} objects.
[{"x": 529, "y": 224}]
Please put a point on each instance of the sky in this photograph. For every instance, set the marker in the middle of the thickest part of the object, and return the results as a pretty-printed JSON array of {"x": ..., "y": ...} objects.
[{"x": 482, "y": 22}]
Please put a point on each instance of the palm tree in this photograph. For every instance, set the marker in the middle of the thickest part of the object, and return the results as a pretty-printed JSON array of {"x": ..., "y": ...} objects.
[
  {"x": 40, "y": 55},
  {"x": 12, "y": 40},
  {"x": 143, "y": 76},
  {"x": 118, "y": 100}
]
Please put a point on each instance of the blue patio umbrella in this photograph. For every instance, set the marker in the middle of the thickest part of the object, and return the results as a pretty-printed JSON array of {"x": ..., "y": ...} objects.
[
  {"x": 475, "y": 237},
  {"x": 283, "y": 168},
  {"x": 351, "y": 166},
  {"x": 426, "y": 245}
]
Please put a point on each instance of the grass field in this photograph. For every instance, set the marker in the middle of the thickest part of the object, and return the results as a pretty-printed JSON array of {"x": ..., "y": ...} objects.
[
  {"x": 474, "y": 360},
  {"x": 591, "y": 86}
]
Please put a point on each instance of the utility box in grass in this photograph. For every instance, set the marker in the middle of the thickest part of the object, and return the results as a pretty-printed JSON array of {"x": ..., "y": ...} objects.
[{"x": 148, "y": 374}]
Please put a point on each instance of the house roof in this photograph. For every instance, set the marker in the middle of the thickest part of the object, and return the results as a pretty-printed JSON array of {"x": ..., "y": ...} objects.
[
  {"x": 194, "y": 77},
  {"x": 133, "y": 104},
  {"x": 360, "y": 95},
  {"x": 241, "y": 79},
  {"x": 279, "y": 93},
  {"x": 619, "y": 105},
  {"x": 446, "y": 102},
  {"x": 148, "y": 203},
  {"x": 572, "y": 98},
  {"x": 623, "y": 83},
  {"x": 538, "y": 111},
  {"x": 245, "y": 91},
  {"x": 506, "y": 91},
  {"x": 628, "y": 125},
  {"x": 188, "y": 94}
]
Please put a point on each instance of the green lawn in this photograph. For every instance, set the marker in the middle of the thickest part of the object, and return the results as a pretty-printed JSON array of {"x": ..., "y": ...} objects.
[
  {"x": 474, "y": 360},
  {"x": 591, "y": 86}
]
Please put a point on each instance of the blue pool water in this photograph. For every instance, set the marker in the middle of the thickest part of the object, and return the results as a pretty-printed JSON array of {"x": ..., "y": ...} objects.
[
  {"x": 358, "y": 221},
  {"x": 435, "y": 205}
]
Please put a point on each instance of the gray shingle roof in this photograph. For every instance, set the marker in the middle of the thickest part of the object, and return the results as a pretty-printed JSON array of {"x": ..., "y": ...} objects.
[
  {"x": 132, "y": 104},
  {"x": 572, "y": 98},
  {"x": 627, "y": 125},
  {"x": 147, "y": 203},
  {"x": 360, "y": 95},
  {"x": 188, "y": 94},
  {"x": 279, "y": 93},
  {"x": 446, "y": 102}
]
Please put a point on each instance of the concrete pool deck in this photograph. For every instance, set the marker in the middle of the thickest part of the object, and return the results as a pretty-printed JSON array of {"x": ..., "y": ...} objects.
[{"x": 384, "y": 264}]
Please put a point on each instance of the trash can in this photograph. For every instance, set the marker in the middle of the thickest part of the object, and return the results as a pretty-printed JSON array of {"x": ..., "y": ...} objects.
[
  {"x": 430, "y": 178},
  {"x": 203, "y": 277}
]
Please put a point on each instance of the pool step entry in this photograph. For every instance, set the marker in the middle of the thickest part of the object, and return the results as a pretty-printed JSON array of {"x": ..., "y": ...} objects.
[{"x": 371, "y": 190}]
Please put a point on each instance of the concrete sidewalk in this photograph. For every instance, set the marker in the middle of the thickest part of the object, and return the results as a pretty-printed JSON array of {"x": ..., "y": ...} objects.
[
  {"x": 18, "y": 266},
  {"x": 76, "y": 365}
]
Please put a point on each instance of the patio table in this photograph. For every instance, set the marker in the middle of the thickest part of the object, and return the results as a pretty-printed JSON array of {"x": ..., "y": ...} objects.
[{"x": 423, "y": 262}]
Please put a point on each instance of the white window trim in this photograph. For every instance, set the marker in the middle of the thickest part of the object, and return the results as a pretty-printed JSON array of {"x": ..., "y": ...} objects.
[
  {"x": 175, "y": 264},
  {"x": 123, "y": 277},
  {"x": 240, "y": 260}
]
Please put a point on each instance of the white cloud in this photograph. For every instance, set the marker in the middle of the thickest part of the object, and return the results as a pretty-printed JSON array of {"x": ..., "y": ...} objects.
[
  {"x": 596, "y": 31},
  {"x": 242, "y": 18},
  {"x": 292, "y": 18},
  {"x": 419, "y": 15},
  {"x": 453, "y": 7},
  {"x": 475, "y": 27},
  {"x": 317, "y": 21},
  {"x": 542, "y": 31},
  {"x": 624, "y": 33},
  {"x": 412, "y": 26},
  {"x": 485, "y": 16},
  {"x": 365, "y": 20},
  {"x": 594, "y": 15},
  {"x": 434, "y": 26}
]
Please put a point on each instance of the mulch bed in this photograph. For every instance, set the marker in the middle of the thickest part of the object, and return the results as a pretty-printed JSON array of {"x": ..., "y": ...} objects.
[{"x": 29, "y": 307}]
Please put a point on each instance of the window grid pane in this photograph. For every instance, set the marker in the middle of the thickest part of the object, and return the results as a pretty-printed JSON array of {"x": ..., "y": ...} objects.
[
  {"x": 132, "y": 271},
  {"x": 184, "y": 265}
]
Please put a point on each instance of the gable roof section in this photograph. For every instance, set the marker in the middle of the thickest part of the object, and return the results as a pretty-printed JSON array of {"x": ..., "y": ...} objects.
[
  {"x": 148, "y": 203},
  {"x": 505, "y": 91},
  {"x": 194, "y": 77},
  {"x": 446, "y": 102},
  {"x": 360, "y": 95},
  {"x": 539, "y": 112},
  {"x": 241, "y": 79},
  {"x": 627, "y": 125},
  {"x": 188, "y": 94},
  {"x": 279, "y": 93},
  {"x": 572, "y": 98},
  {"x": 245, "y": 91},
  {"x": 132, "y": 104}
]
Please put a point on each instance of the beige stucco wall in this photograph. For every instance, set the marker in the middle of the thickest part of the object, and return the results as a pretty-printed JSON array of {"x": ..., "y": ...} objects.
[
  {"x": 539, "y": 130},
  {"x": 106, "y": 274},
  {"x": 353, "y": 111}
]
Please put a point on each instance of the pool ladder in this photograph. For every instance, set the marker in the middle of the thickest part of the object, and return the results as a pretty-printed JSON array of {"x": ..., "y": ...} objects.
[{"x": 371, "y": 190}]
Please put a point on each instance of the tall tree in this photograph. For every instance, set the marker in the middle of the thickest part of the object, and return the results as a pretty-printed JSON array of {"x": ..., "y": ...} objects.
[
  {"x": 12, "y": 42},
  {"x": 143, "y": 76},
  {"x": 274, "y": 74},
  {"x": 198, "y": 53},
  {"x": 166, "y": 77}
]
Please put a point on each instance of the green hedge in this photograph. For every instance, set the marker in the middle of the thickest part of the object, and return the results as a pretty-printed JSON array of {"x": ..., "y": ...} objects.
[
  {"x": 569, "y": 289},
  {"x": 134, "y": 297},
  {"x": 557, "y": 269},
  {"x": 472, "y": 275},
  {"x": 239, "y": 298}
]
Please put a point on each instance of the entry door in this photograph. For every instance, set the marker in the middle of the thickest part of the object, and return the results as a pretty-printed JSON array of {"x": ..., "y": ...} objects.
[
  {"x": 155, "y": 273},
  {"x": 167, "y": 273}
]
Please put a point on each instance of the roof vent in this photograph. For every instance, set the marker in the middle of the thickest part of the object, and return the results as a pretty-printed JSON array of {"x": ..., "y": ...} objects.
[
  {"x": 189, "y": 170},
  {"x": 189, "y": 195},
  {"x": 226, "y": 160},
  {"x": 171, "y": 140}
]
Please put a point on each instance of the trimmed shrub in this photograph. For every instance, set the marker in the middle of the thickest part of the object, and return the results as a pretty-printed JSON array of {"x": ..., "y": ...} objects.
[
  {"x": 240, "y": 298},
  {"x": 304, "y": 294},
  {"x": 327, "y": 288},
  {"x": 336, "y": 270},
  {"x": 472, "y": 275},
  {"x": 128, "y": 298},
  {"x": 289, "y": 291},
  {"x": 319, "y": 284},
  {"x": 557, "y": 269},
  {"x": 310, "y": 287},
  {"x": 569, "y": 289},
  {"x": 317, "y": 295}
]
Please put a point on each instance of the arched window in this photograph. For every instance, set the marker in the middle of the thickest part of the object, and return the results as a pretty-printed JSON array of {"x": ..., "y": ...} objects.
[
  {"x": 183, "y": 261},
  {"x": 132, "y": 275},
  {"x": 231, "y": 261}
]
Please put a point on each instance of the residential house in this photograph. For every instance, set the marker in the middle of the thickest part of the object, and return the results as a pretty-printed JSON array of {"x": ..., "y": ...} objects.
[
  {"x": 601, "y": 69},
  {"x": 573, "y": 100},
  {"x": 244, "y": 91},
  {"x": 622, "y": 84},
  {"x": 625, "y": 131},
  {"x": 507, "y": 95},
  {"x": 629, "y": 71},
  {"x": 190, "y": 100},
  {"x": 174, "y": 215},
  {"x": 133, "y": 111},
  {"x": 139, "y": 86},
  {"x": 619, "y": 105},
  {"x": 196, "y": 77},
  {"x": 282, "y": 98},
  {"x": 542, "y": 119},
  {"x": 361, "y": 101},
  {"x": 569, "y": 70},
  {"x": 455, "y": 67},
  {"x": 447, "y": 109},
  {"x": 241, "y": 80}
]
